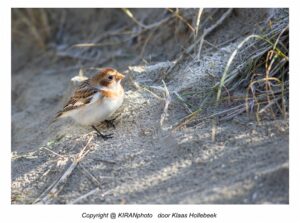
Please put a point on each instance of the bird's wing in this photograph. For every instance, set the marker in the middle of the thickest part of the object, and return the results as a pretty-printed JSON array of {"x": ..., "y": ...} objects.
[{"x": 83, "y": 95}]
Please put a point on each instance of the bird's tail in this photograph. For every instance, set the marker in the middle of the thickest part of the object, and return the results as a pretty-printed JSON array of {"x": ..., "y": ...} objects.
[{"x": 57, "y": 116}]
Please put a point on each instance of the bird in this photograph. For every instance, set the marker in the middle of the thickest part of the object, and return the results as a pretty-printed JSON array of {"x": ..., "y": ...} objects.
[{"x": 95, "y": 100}]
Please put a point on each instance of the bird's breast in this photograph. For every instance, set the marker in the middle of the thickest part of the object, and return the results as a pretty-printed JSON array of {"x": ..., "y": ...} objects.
[
  {"x": 111, "y": 104},
  {"x": 100, "y": 109}
]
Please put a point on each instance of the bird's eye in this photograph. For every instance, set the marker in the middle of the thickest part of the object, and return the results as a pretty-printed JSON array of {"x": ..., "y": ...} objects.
[{"x": 110, "y": 77}]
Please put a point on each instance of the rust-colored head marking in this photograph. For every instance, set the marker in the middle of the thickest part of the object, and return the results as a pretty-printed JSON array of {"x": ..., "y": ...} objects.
[
  {"x": 107, "y": 70},
  {"x": 107, "y": 77}
]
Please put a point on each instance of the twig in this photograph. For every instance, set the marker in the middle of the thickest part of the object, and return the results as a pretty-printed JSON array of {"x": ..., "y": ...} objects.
[
  {"x": 167, "y": 102},
  {"x": 31, "y": 26},
  {"x": 190, "y": 48},
  {"x": 146, "y": 43},
  {"x": 156, "y": 24},
  {"x": 189, "y": 117},
  {"x": 212, "y": 45},
  {"x": 105, "y": 35},
  {"x": 233, "y": 114},
  {"x": 198, "y": 22},
  {"x": 200, "y": 46},
  {"x": 212, "y": 28},
  {"x": 84, "y": 196},
  {"x": 183, "y": 101},
  {"x": 232, "y": 56},
  {"x": 223, "y": 112},
  {"x": 37, "y": 201},
  {"x": 55, "y": 188},
  {"x": 90, "y": 175},
  {"x": 213, "y": 129},
  {"x": 139, "y": 86},
  {"x": 182, "y": 19},
  {"x": 49, "y": 150},
  {"x": 236, "y": 110},
  {"x": 186, "y": 119}
]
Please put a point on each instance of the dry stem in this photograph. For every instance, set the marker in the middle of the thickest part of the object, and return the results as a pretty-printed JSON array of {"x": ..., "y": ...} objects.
[
  {"x": 206, "y": 32},
  {"x": 167, "y": 102},
  {"x": 84, "y": 196},
  {"x": 55, "y": 188}
]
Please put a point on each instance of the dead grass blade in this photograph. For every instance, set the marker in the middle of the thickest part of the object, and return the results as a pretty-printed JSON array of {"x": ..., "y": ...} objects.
[
  {"x": 167, "y": 102},
  {"x": 85, "y": 196},
  {"x": 146, "y": 27},
  {"x": 56, "y": 187},
  {"x": 212, "y": 28},
  {"x": 200, "y": 40},
  {"x": 200, "y": 11}
]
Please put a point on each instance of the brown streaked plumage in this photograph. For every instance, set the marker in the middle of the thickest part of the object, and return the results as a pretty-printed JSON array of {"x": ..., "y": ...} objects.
[
  {"x": 95, "y": 99},
  {"x": 82, "y": 96}
]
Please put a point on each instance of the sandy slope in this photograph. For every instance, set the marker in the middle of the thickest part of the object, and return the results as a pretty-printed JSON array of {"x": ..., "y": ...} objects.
[{"x": 143, "y": 163}]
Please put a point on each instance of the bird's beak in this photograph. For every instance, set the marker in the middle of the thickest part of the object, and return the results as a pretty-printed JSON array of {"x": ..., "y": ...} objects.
[{"x": 119, "y": 76}]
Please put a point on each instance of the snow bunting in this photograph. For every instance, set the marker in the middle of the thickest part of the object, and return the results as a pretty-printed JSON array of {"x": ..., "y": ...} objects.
[{"x": 95, "y": 99}]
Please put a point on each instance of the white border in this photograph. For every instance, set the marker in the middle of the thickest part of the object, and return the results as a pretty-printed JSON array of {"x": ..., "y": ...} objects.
[{"x": 226, "y": 213}]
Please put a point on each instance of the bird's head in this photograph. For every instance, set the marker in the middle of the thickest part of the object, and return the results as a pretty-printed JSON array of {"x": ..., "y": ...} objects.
[{"x": 107, "y": 77}]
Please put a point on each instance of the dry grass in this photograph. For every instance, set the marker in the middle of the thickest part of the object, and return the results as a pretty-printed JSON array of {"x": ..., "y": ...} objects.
[
  {"x": 187, "y": 72},
  {"x": 259, "y": 63},
  {"x": 266, "y": 81},
  {"x": 255, "y": 80},
  {"x": 31, "y": 24}
]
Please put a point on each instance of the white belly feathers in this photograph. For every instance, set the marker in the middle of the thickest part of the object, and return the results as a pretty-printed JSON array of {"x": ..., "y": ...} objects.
[{"x": 98, "y": 110}]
